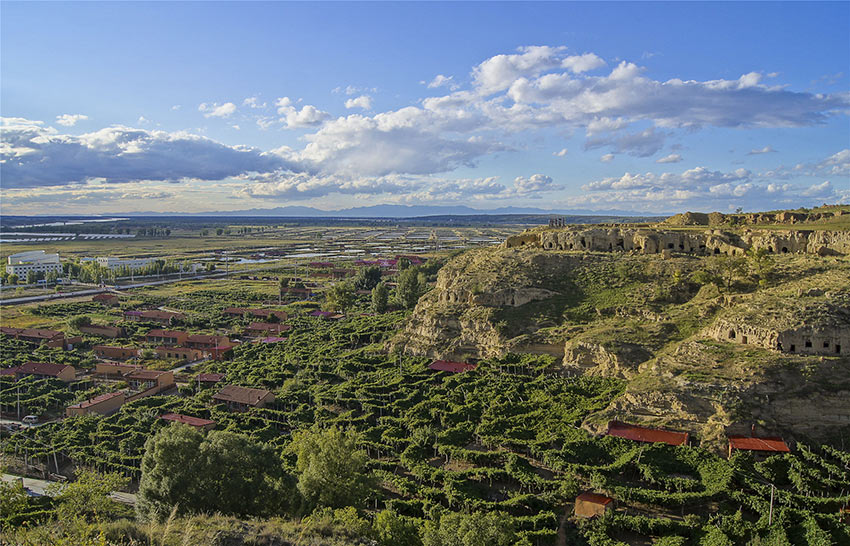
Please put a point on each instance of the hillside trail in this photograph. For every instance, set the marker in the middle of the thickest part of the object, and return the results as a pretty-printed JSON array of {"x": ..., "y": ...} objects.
[{"x": 562, "y": 533}]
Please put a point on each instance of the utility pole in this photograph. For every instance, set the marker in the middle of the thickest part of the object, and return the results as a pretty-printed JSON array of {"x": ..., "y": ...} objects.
[{"x": 770, "y": 516}]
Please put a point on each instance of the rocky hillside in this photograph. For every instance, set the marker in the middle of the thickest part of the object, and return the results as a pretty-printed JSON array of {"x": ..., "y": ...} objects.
[{"x": 709, "y": 343}]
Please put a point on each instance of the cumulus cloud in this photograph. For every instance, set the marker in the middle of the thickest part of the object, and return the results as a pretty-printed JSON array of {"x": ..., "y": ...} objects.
[
  {"x": 293, "y": 118},
  {"x": 499, "y": 72},
  {"x": 535, "y": 183},
  {"x": 32, "y": 155},
  {"x": 765, "y": 150},
  {"x": 561, "y": 153},
  {"x": 440, "y": 81},
  {"x": 215, "y": 110},
  {"x": 69, "y": 120},
  {"x": 582, "y": 63},
  {"x": 253, "y": 102},
  {"x": 672, "y": 158},
  {"x": 363, "y": 101}
]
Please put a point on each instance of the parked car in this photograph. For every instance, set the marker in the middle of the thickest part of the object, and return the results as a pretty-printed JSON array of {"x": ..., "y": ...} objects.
[{"x": 30, "y": 420}]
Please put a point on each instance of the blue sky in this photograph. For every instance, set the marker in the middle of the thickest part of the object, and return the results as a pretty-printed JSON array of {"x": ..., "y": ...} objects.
[{"x": 118, "y": 107}]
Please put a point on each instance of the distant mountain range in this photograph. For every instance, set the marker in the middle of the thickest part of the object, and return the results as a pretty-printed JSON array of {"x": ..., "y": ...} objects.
[{"x": 393, "y": 211}]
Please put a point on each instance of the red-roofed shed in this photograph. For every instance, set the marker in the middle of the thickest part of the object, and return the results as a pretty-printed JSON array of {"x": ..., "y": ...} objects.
[
  {"x": 764, "y": 444},
  {"x": 645, "y": 434},
  {"x": 197, "y": 422},
  {"x": 590, "y": 505},
  {"x": 451, "y": 366}
]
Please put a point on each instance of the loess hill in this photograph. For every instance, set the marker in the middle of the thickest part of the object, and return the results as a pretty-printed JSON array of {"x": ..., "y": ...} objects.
[{"x": 717, "y": 322}]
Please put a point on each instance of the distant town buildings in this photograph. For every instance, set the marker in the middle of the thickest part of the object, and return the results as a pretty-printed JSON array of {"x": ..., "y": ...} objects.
[
  {"x": 37, "y": 261},
  {"x": 110, "y": 262}
]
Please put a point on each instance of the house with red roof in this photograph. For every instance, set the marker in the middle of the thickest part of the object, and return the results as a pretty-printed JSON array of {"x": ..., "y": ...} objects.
[
  {"x": 103, "y": 404},
  {"x": 266, "y": 329},
  {"x": 196, "y": 422},
  {"x": 46, "y": 370},
  {"x": 638, "y": 433},
  {"x": 451, "y": 366},
  {"x": 590, "y": 505},
  {"x": 243, "y": 398},
  {"x": 759, "y": 445}
]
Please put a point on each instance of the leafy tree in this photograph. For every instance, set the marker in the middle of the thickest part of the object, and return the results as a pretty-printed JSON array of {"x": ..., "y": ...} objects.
[
  {"x": 380, "y": 297},
  {"x": 340, "y": 296},
  {"x": 13, "y": 498},
  {"x": 411, "y": 285},
  {"x": 12, "y": 279},
  {"x": 394, "y": 530},
  {"x": 88, "y": 495},
  {"x": 476, "y": 529},
  {"x": 31, "y": 277},
  {"x": 331, "y": 469},
  {"x": 402, "y": 263},
  {"x": 367, "y": 278},
  {"x": 761, "y": 265},
  {"x": 219, "y": 231},
  {"x": 217, "y": 472}
]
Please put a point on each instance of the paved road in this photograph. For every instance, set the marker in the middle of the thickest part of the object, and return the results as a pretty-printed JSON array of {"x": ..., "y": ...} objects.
[
  {"x": 40, "y": 487},
  {"x": 110, "y": 288}
]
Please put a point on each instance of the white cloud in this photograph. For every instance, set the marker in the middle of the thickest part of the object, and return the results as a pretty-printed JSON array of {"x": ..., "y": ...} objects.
[
  {"x": 143, "y": 120},
  {"x": 672, "y": 158},
  {"x": 32, "y": 155},
  {"x": 216, "y": 110},
  {"x": 293, "y": 118},
  {"x": 582, "y": 63},
  {"x": 497, "y": 73},
  {"x": 606, "y": 158},
  {"x": 363, "y": 101},
  {"x": 69, "y": 120},
  {"x": 561, "y": 153},
  {"x": 765, "y": 150},
  {"x": 440, "y": 81},
  {"x": 642, "y": 144},
  {"x": 253, "y": 102},
  {"x": 535, "y": 183}
]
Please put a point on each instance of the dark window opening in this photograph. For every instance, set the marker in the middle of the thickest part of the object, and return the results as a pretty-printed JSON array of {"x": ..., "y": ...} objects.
[
  {"x": 808, "y": 343},
  {"x": 837, "y": 349},
  {"x": 681, "y": 246},
  {"x": 731, "y": 334},
  {"x": 793, "y": 348},
  {"x": 785, "y": 250},
  {"x": 717, "y": 251},
  {"x": 670, "y": 245},
  {"x": 770, "y": 249},
  {"x": 744, "y": 340},
  {"x": 826, "y": 345}
]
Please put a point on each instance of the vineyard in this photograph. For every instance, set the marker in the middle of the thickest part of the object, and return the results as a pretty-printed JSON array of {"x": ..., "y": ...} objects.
[{"x": 504, "y": 437}]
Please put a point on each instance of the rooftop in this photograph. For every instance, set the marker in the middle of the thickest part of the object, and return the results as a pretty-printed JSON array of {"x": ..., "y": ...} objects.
[
  {"x": 97, "y": 400},
  {"x": 451, "y": 366},
  {"x": 645, "y": 434},
  {"x": 241, "y": 395},
  {"x": 595, "y": 498},
  {"x": 187, "y": 420},
  {"x": 755, "y": 443},
  {"x": 42, "y": 368}
]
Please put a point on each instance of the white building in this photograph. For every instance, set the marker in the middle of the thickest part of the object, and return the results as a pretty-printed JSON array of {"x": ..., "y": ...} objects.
[
  {"x": 36, "y": 260},
  {"x": 117, "y": 263}
]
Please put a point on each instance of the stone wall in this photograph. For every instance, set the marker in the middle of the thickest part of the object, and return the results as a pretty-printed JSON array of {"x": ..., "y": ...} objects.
[
  {"x": 708, "y": 242},
  {"x": 802, "y": 340}
]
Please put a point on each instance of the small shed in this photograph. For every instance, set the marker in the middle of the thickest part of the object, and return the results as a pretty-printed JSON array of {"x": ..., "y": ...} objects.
[
  {"x": 196, "y": 422},
  {"x": 451, "y": 366},
  {"x": 638, "y": 433},
  {"x": 589, "y": 505},
  {"x": 761, "y": 445}
]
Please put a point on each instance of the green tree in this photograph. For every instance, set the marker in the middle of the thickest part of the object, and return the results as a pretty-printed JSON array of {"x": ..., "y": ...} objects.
[
  {"x": 79, "y": 320},
  {"x": 31, "y": 277},
  {"x": 761, "y": 265},
  {"x": 402, "y": 263},
  {"x": 367, "y": 278},
  {"x": 219, "y": 231},
  {"x": 392, "y": 529},
  {"x": 13, "y": 498},
  {"x": 411, "y": 285},
  {"x": 476, "y": 529},
  {"x": 88, "y": 496},
  {"x": 340, "y": 296},
  {"x": 380, "y": 298},
  {"x": 331, "y": 468},
  {"x": 217, "y": 472},
  {"x": 12, "y": 279}
]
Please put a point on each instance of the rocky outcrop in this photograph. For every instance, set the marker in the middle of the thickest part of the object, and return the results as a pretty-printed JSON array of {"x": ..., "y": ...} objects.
[
  {"x": 615, "y": 359},
  {"x": 709, "y": 242}
]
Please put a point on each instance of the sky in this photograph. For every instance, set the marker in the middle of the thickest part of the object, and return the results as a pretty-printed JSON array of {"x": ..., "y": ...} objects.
[{"x": 216, "y": 106}]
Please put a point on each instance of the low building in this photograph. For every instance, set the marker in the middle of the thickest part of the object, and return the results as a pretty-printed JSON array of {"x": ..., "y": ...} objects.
[
  {"x": 107, "y": 299},
  {"x": 166, "y": 337},
  {"x": 589, "y": 505},
  {"x": 208, "y": 379},
  {"x": 237, "y": 312},
  {"x": 243, "y": 398},
  {"x": 266, "y": 329},
  {"x": 115, "y": 353},
  {"x": 638, "y": 433},
  {"x": 181, "y": 353},
  {"x": 143, "y": 380},
  {"x": 110, "y": 262},
  {"x": 46, "y": 370},
  {"x": 196, "y": 422},
  {"x": 103, "y": 404},
  {"x": 108, "y": 369},
  {"x": 759, "y": 445},
  {"x": 51, "y": 338},
  {"x": 451, "y": 366},
  {"x": 270, "y": 339},
  {"x": 35, "y": 261},
  {"x": 111, "y": 332},
  {"x": 204, "y": 341}
]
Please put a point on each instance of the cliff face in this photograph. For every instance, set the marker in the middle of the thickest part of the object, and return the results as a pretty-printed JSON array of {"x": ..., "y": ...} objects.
[
  {"x": 708, "y": 242},
  {"x": 695, "y": 359}
]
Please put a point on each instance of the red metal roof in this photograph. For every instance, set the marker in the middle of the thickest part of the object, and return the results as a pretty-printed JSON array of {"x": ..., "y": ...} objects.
[
  {"x": 187, "y": 420},
  {"x": 645, "y": 434},
  {"x": 595, "y": 498},
  {"x": 42, "y": 368},
  {"x": 450, "y": 366},
  {"x": 755, "y": 443},
  {"x": 97, "y": 400}
]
